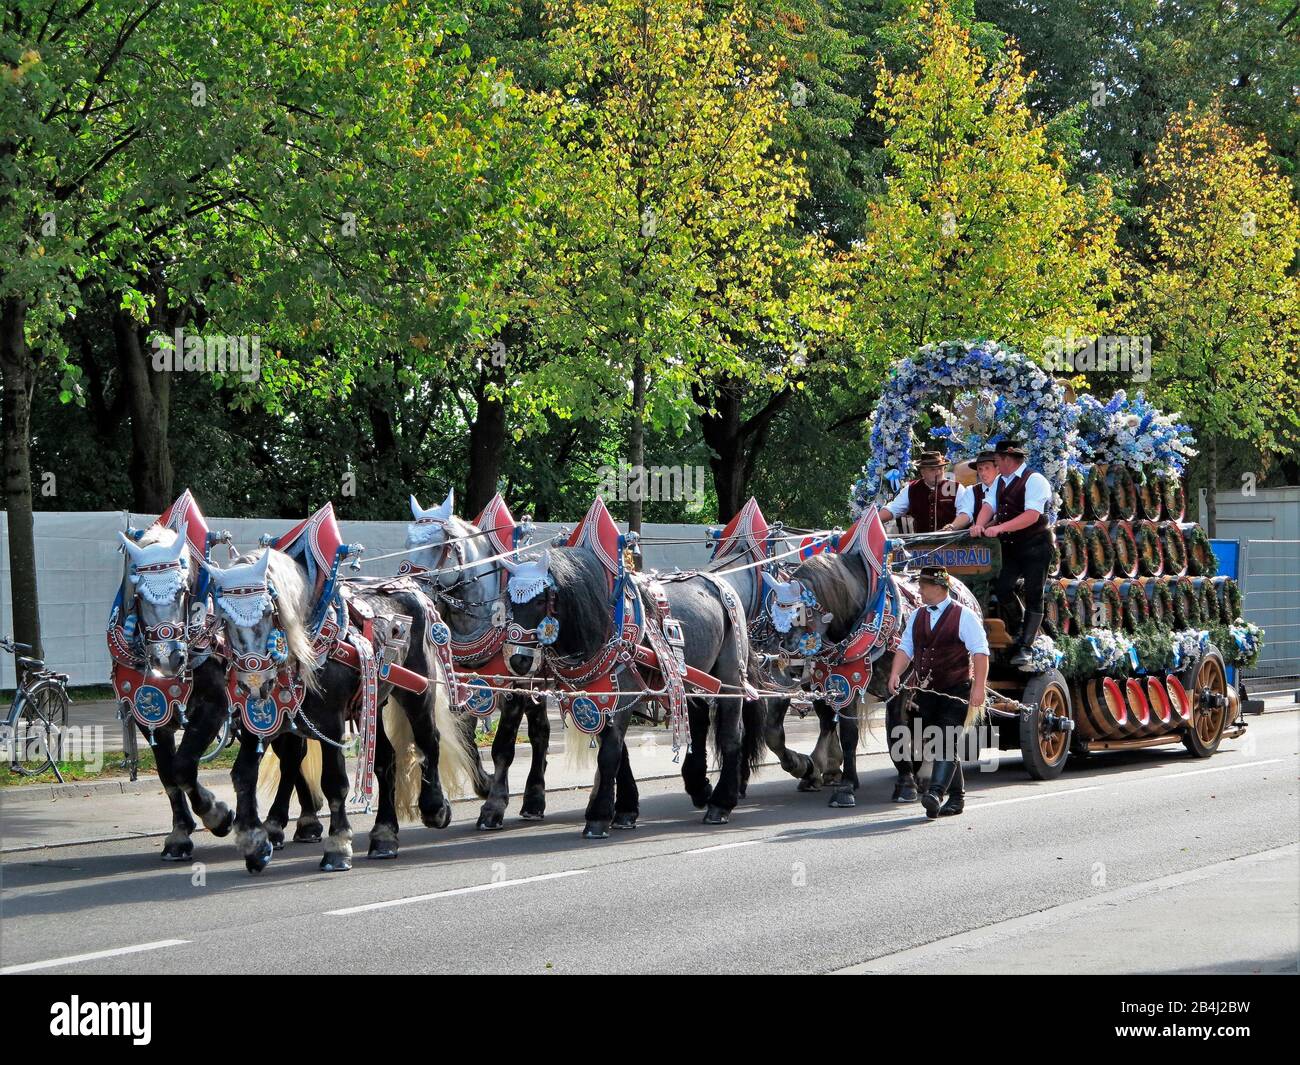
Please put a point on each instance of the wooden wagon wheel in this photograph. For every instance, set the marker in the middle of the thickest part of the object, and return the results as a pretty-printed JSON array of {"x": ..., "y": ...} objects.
[
  {"x": 1207, "y": 683},
  {"x": 1045, "y": 748}
]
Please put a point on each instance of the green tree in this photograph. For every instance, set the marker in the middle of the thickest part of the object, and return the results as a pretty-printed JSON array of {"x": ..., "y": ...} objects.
[{"x": 1220, "y": 296}]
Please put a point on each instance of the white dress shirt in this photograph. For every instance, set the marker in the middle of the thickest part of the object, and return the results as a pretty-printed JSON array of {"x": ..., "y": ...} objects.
[
  {"x": 966, "y": 500},
  {"x": 900, "y": 506},
  {"x": 970, "y": 629},
  {"x": 1038, "y": 493}
]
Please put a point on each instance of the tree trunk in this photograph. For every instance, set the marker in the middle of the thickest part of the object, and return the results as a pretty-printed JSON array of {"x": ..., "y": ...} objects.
[
  {"x": 19, "y": 372},
  {"x": 1211, "y": 484},
  {"x": 722, "y": 434},
  {"x": 148, "y": 394},
  {"x": 487, "y": 443},
  {"x": 637, "y": 480}
]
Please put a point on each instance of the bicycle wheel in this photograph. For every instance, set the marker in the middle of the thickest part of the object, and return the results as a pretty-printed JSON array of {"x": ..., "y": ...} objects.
[
  {"x": 130, "y": 745},
  {"x": 219, "y": 744},
  {"x": 41, "y": 723}
]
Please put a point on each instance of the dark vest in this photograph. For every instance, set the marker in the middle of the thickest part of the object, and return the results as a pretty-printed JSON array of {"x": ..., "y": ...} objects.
[
  {"x": 1011, "y": 504},
  {"x": 979, "y": 499},
  {"x": 939, "y": 652},
  {"x": 931, "y": 508}
]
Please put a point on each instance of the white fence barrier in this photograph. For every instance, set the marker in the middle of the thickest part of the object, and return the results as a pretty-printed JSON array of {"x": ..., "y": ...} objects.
[
  {"x": 1271, "y": 599},
  {"x": 79, "y": 566}
]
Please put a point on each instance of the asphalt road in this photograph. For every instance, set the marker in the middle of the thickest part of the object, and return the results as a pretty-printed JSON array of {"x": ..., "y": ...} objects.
[{"x": 1147, "y": 861}]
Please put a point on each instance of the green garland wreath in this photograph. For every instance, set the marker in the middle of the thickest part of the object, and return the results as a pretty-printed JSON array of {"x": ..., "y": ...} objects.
[
  {"x": 1201, "y": 560},
  {"x": 1137, "y": 611},
  {"x": 1207, "y": 599},
  {"x": 1161, "y": 602},
  {"x": 1108, "y": 608},
  {"x": 1125, "y": 547},
  {"x": 1097, "y": 494},
  {"x": 1073, "y": 545},
  {"x": 1175, "y": 549},
  {"x": 1079, "y": 595},
  {"x": 1072, "y": 496},
  {"x": 1150, "y": 495},
  {"x": 1229, "y": 599},
  {"x": 1123, "y": 493},
  {"x": 1187, "y": 604},
  {"x": 1175, "y": 499},
  {"x": 1054, "y": 562},
  {"x": 1154, "y": 649},
  {"x": 1151, "y": 556},
  {"x": 1101, "y": 553},
  {"x": 1056, "y": 610}
]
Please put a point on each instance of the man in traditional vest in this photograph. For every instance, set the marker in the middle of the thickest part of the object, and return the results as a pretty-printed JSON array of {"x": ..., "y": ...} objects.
[
  {"x": 928, "y": 503},
  {"x": 1018, "y": 514},
  {"x": 971, "y": 497},
  {"x": 946, "y": 644}
]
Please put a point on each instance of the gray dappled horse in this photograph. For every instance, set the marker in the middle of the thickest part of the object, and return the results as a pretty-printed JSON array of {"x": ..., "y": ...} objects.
[
  {"x": 471, "y": 597},
  {"x": 841, "y": 591},
  {"x": 266, "y": 603},
  {"x": 570, "y": 587}
]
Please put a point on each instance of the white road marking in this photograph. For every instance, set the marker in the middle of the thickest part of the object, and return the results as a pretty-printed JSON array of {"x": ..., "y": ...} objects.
[
  {"x": 1031, "y": 798},
  {"x": 453, "y": 891},
  {"x": 726, "y": 846},
  {"x": 1220, "y": 768},
  {"x": 73, "y": 959}
]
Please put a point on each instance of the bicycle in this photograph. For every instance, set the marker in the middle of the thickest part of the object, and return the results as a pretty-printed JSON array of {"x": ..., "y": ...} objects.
[
  {"x": 131, "y": 741},
  {"x": 38, "y": 715}
]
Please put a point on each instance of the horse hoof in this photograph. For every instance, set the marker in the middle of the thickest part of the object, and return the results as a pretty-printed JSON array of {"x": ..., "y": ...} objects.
[
  {"x": 259, "y": 859},
  {"x": 904, "y": 793},
  {"x": 336, "y": 863},
  {"x": 625, "y": 821},
  {"x": 717, "y": 816},
  {"x": 276, "y": 838},
  {"x": 177, "y": 852},
  {"x": 226, "y": 823},
  {"x": 843, "y": 799},
  {"x": 489, "y": 822},
  {"x": 379, "y": 852},
  {"x": 809, "y": 785},
  {"x": 308, "y": 835},
  {"x": 531, "y": 815},
  {"x": 440, "y": 818},
  {"x": 596, "y": 830}
]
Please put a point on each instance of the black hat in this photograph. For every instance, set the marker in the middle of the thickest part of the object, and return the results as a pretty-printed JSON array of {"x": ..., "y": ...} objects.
[
  {"x": 1011, "y": 447},
  {"x": 984, "y": 456},
  {"x": 931, "y": 460},
  {"x": 935, "y": 575}
]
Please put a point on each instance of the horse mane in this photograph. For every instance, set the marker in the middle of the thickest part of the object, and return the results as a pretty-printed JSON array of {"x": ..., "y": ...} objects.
[
  {"x": 293, "y": 597},
  {"x": 829, "y": 576},
  {"x": 581, "y": 600}
]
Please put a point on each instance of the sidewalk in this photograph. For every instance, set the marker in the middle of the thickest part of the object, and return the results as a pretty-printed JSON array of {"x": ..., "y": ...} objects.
[{"x": 54, "y": 815}]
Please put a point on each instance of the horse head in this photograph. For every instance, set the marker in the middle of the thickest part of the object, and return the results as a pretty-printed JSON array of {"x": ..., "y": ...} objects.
[
  {"x": 799, "y": 619},
  {"x": 264, "y": 602},
  {"x": 158, "y": 585},
  {"x": 532, "y": 593}
]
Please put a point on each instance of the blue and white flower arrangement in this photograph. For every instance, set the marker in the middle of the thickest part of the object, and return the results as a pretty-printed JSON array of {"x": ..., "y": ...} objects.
[
  {"x": 1032, "y": 405},
  {"x": 1044, "y": 655},
  {"x": 1248, "y": 637},
  {"x": 1187, "y": 646},
  {"x": 1132, "y": 433},
  {"x": 1111, "y": 648}
]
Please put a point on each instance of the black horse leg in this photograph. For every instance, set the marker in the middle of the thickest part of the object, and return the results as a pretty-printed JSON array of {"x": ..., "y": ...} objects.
[
  {"x": 309, "y": 827},
  {"x": 205, "y": 718},
  {"x": 797, "y": 765},
  {"x": 627, "y": 797},
  {"x": 848, "y": 735},
  {"x": 695, "y": 763},
  {"x": 600, "y": 807},
  {"x": 827, "y": 757},
  {"x": 435, "y": 810},
  {"x": 467, "y": 737},
  {"x": 383, "y": 834},
  {"x": 250, "y": 835},
  {"x": 334, "y": 781},
  {"x": 503, "y": 755},
  {"x": 539, "y": 738},
  {"x": 177, "y": 846},
  {"x": 726, "y": 725},
  {"x": 289, "y": 749}
]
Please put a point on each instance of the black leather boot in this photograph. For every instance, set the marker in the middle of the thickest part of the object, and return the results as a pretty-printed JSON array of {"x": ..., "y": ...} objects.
[
  {"x": 940, "y": 775},
  {"x": 956, "y": 795},
  {"x": 1033, "y": 621}
]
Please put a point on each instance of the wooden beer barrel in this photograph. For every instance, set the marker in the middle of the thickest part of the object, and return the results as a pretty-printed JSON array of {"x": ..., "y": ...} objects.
[
  {"x": 1137, "y": 611},
  {"x": 1174, "y": 547},
  {"x": 1229, "y": 595},
  {"x": 1073, "y": 545},
  {"x": 1200, "y": 555},
  {"x": 1179, "y": 698},
  {"x": 1103, "y": 711},
  {"x": 1161, "y": 601},
  {"x": 1139, "y": 710},
  {"x": 1187, "y": 606},
  {"x": 1125, "y": 548},
  {"x": 1072, "y": 496},
  {"x": 1150, "y": 496},
  {"x": 1163, "y": 718},
  {"x": 1096, "y": 494},
  {"x": 1101, "y": 552},
  {"x": 1207, "y": 599},
  {"x": 1056, "y": 609},
  {"x": 1175, "y": 498},
  {"x": 1123, "y": 493},
  {"x": 1107, "y": 608},
  {"x": 1151, "y": 557},
  {"x": 1078, "y": 595}
]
